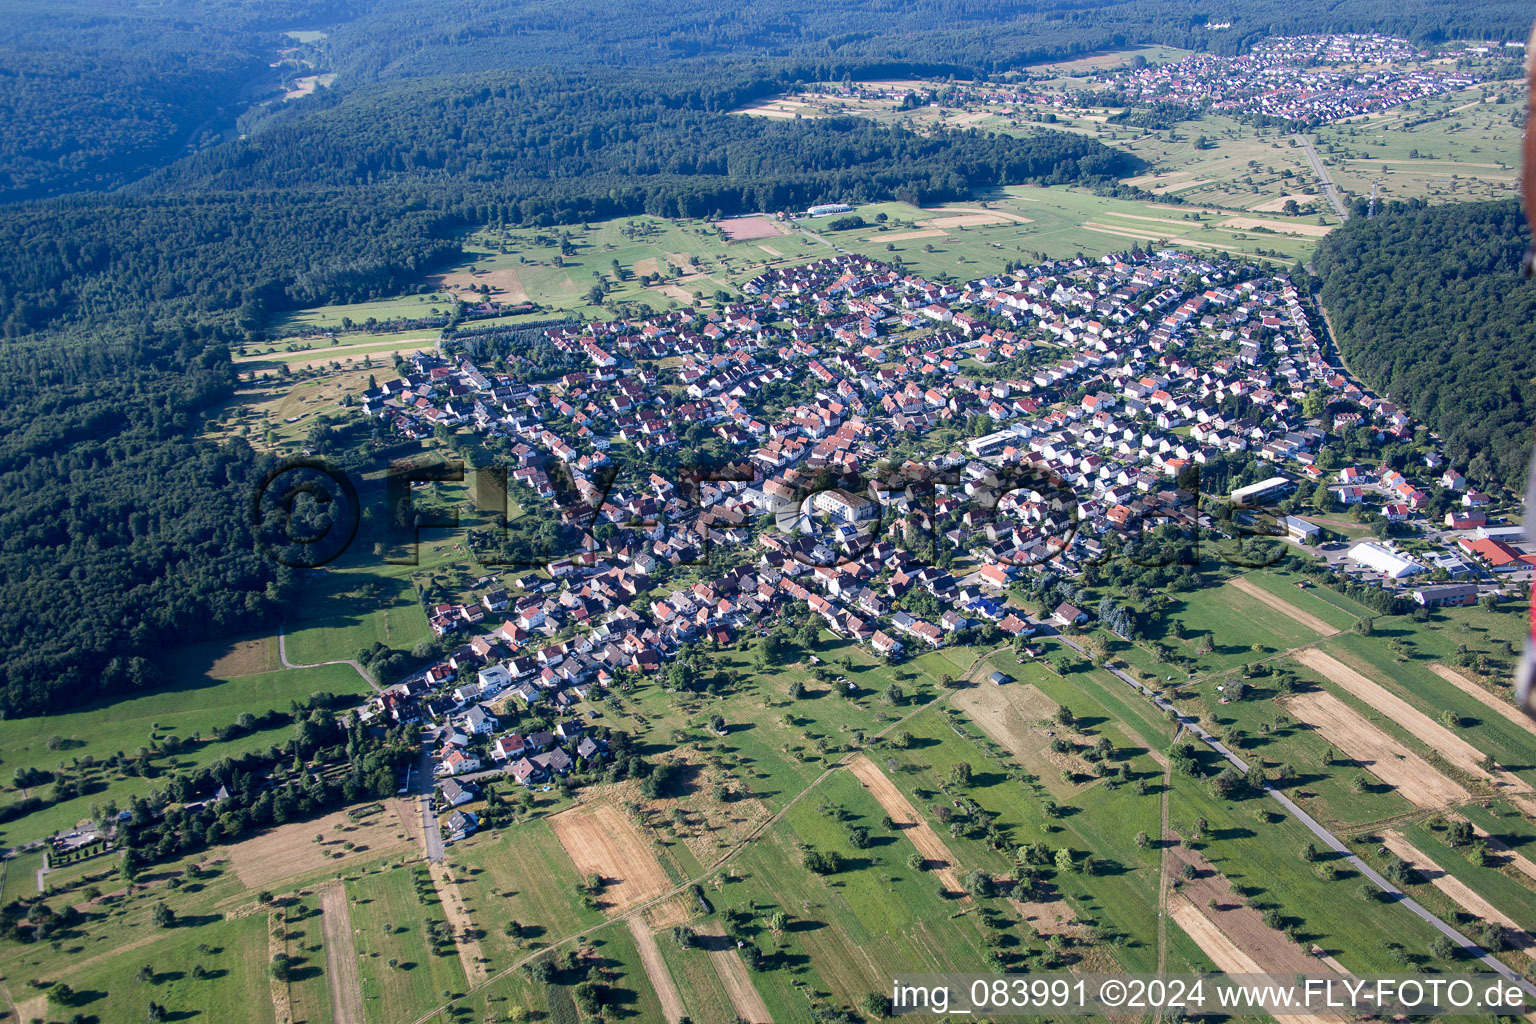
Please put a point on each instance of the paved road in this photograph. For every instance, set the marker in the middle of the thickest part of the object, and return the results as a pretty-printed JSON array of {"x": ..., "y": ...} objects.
[
  {"x": 1329, "y": 189},
  {"x": 819, "y": 238},
  {"x": 431, "y": 834},
  {"x": 1323, "y": 834},
  {"x": 282, "y": 655}
]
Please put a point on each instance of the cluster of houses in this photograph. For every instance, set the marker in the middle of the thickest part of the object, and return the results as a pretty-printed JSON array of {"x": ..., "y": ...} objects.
[
  {"x": 1085, "y": 388},
  {"x": 1313, "y": 79}
]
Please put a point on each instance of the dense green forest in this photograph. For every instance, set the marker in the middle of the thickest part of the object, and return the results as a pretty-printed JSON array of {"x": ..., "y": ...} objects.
[
  {"x": 1429, "y": 307},
  {"x": 403, "y": 38},
  {"x": 94, "y": 94}
]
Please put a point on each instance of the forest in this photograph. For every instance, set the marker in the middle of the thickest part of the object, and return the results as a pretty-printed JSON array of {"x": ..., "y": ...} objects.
[{"x": 1430, "y": 308}]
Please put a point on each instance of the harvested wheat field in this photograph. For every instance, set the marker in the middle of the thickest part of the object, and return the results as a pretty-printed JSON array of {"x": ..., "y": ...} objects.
[
  {"x": 902, "y": 236},
  {"x": 504, "y": 284},
  {"x": 290, "y": 850},
  {"x": 734, "y": 978},
  {"x": 908, "y": 822},
  {"x": 666, "y": 914},
  {"x": 600, "y": 839},
  {"x": 1440, "y": 739},
  {"x": 976, "y": 211},
  {"x": 1387, "y": 759},
  {"x": 1048, "y": 918},
  {"x": 1224, "y": 953},
  {"x": 1491, "y": 701},
  {"x": 965, "y": 220},
  {"x": 673, "y": 291},
  {"x": 744, "y": 229},
  {"x": 1284, "y": 227},
  {"x": 1271, "y": 949},
  {"x": 1012, "y": 716},
  {"x": 340, "y": 954},
  {"x": 656, "y": 971},
  {"x": 1282, "y": 606},
  {"x": 1464, "y": 895}
]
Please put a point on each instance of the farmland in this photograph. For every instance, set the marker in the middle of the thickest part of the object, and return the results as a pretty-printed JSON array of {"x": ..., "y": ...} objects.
[{"x": 944, "y": 786}]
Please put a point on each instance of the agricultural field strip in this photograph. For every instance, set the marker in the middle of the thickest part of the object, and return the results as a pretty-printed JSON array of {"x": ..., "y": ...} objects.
[
  {"x": 1380, "y": 754},
  {"x": 1501, "y": 707},
  {"x": 656, "y": 968},
  {"x": 1224, "y": 953},
  {"x": 1332, "y": 841},
  {"x": 340, "y": 955},
  {"x": 1282, "y": 606},
  {"x": 735, "y": 980},
  {"x": 1434, "y": 735},
  {"x": 457, "y": 914},
  {"x": 683, "y": 887},
  {"x": 1463, "y": 894},
  {"x": 909, "y": 822}
]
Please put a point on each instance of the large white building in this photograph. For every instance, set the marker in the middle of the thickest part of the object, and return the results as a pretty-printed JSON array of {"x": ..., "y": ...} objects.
[
  {"x": 1389, "y": 563},
  {"x": 1256, "y": 493}
]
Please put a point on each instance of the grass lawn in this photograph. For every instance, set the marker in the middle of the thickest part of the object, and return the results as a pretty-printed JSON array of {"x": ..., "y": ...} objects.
[
  {"x": 198, "y": 705},
  {"x": 391, "y": 922},
  {"x": 519, "y": 874},
  {"x": 233, "y": 953},
  {"x": 1262, "y": 859}
]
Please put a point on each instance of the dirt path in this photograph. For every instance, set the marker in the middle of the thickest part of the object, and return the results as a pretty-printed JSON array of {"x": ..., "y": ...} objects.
[
  {"x": 909, "y": 822},
  {"x": 1439, "y": 738},
  {"x": 1464, "y": 895},
  {"x": 1281, "y": 605},
  {"x": 1384, "y": 757},
  {"x": 452, "y": 902},
  {"x": 600, "y": 839},
  {"x": 32, "y": 1009},
  {"x": 282, "y": 655},
  {"x": 733, "y": 976},
  {"x": 656, "y": 970},
  {"x": 340, "y": 954},
  {"x": 1490, "y": 701}
]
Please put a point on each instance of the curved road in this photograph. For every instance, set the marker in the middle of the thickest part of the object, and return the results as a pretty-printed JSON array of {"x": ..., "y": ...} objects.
[
  {"x": 1323, "y": 834},
  {"x": 282, "y": 655}
]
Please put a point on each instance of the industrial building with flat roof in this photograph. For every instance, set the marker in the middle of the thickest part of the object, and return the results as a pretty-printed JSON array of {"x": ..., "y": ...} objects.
[
  {"x": 1270, "y": 488},
  {"x": 1388, "y": 563}
]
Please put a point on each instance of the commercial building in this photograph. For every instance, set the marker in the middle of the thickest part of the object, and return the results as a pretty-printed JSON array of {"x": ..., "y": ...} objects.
[
  {"x": 1254, "y": 494},
  {"x": 1388, "y": 563}
]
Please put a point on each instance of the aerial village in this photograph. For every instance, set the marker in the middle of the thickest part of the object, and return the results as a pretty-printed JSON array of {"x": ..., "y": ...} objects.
[
  {"x": 1088, "y": 393},
  {"x": 1301, "y": 80}
]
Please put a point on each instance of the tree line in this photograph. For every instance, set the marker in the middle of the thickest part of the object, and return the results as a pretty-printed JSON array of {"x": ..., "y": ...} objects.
[{"x": 1430, "y": 309}]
